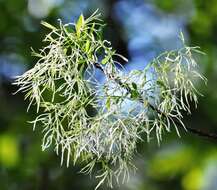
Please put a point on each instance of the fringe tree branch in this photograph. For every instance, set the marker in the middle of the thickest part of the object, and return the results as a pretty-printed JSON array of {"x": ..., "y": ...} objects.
[
  {"x": 198, "y": 132},
  {"x": 202, "y": 133},
  {"x": 62, "y": 86}
]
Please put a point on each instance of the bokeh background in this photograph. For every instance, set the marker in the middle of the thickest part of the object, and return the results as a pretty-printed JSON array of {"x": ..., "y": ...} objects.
[{"x": 140, "y": 30}]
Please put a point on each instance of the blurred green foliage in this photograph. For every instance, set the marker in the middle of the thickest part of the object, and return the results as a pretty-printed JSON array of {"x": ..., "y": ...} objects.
[
  {"x": 190, "y": 164},
  {"x": 9, "y": 152}
]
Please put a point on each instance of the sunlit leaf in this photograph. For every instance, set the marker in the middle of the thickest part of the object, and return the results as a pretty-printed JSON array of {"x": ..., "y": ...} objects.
[
  {"x": 79, "y": 25},
  {"x": 106, "y": 59}
]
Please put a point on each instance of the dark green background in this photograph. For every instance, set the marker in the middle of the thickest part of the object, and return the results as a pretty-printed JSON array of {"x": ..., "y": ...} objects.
[{"x": 187, "y": 163}]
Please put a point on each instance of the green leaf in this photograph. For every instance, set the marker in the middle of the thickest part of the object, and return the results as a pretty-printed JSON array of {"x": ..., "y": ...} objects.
[
  {"x": 134, "y": 94},
  {"x": 87, "y": 46},
  {"x": 134, "y": 85},
  {"x": 161, "y": 83},
  {"x": 47, "y": 25},
  {"x": 108, "y": 103},
  {"x": 65, "y": 51},
  {"x": 106, "y": 59},
  {"x": 79, "y": 25}
]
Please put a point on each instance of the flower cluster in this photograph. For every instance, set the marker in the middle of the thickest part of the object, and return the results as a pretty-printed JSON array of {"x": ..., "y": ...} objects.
[{"x": 100, "y": 123}]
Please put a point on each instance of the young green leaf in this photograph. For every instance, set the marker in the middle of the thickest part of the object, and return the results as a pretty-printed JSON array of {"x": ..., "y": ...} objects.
[
  {"x": 134, "y": 85},
  {"x": 105, "y": 59},
  {"x": 108, "y": 103},
  {"x": 79, "y": 25},
  {"x": 161, "y": 84},
  {"x": 87, "y": 46},
  {"x": 134, "y": 94}
]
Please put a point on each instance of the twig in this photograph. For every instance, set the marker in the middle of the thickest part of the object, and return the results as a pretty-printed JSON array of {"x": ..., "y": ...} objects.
[
  {"x": 126, "y": 86},
  {"x": 202, "y": 133}
]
